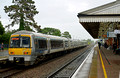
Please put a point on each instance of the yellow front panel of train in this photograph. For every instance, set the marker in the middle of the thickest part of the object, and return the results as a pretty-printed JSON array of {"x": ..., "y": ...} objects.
[
  {"x": 20, "y": 45},
  {"x": 19, "y": 51}
]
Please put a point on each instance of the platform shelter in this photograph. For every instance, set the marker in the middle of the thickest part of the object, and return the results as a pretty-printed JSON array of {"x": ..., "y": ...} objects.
[
  {"x": 101, "y": 21},
  {"x": 98, "y": 21}
]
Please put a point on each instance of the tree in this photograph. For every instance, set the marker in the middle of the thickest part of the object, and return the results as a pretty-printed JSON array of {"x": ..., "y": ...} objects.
[
  {"x": 5, "y": 38},
  {"x": 38, "y": 28},
  {"x": 66, "y": 34},
  {"x": 2, "y": 29},
  {"x": 89, "y": 41},
  {"x": 22, "y": 13},
  {"x": 28, "y": 28},
  {"x": 21, "y": 27},
  {"x": 51, "y": 31}
]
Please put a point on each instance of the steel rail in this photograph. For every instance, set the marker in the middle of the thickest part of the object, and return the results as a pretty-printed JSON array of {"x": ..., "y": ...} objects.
[{"x": 85, "y": 53}]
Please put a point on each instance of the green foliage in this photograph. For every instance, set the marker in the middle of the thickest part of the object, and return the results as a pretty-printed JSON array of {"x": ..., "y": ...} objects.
[
  {"x": 5, "y": 38},
  {"x": 2, "y": 29},
  {"x": 28, "y": 28},
  {"x": 38, "y": 28},
  {"x": 21, "y": 27},
  {"x": 89, "y": 41},
  {"x": 51, "y": 31},
  {"x": 66, "y": 34},
  {"x": 13, "y": 31},
  {"x": 0, "y": 38},
  {"x": 22, "y": 13}
]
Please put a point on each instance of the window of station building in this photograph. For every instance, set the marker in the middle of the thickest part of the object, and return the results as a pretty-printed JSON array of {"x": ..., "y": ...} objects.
[
  {"x": 56, "y": 44},
  {"x": 42, "y": 44}
]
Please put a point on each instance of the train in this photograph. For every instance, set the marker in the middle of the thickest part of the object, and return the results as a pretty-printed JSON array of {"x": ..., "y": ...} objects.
[{"x": 26, "y": 47}]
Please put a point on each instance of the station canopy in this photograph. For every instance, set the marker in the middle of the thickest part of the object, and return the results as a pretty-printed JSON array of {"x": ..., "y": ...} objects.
[{"x": 98, "y": 21}]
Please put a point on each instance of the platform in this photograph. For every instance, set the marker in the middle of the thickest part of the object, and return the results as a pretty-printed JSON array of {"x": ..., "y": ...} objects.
[
  {"x": 84, "y": 68},
  {"x": 3, "y": 55},
  {"x": 111, "y": 63},
  {"x": 105, "y": 64},
  {"x": 108, "y": 64}
]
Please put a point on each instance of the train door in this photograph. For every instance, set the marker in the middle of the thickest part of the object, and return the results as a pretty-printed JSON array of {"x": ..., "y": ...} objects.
[
  {"x": 48, "y": 45},
  {"x": 36, "y": 44}
]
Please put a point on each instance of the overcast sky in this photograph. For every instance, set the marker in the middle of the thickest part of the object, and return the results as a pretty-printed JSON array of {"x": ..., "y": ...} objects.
[{"x": 60, "y": 14}]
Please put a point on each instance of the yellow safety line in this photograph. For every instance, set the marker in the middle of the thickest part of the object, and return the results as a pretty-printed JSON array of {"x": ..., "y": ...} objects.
[{"x": 105, "y": 74}]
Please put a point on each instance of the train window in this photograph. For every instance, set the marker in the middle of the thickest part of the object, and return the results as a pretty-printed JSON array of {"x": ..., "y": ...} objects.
[
  {"x": 42, "y": 44},
  {"x": 56, "y": 44},
  {"x": 66, "y": 43},
  {"x": 20, "y": 42},
  {"x": 15, "y": 42},
  {"x": 26, "y": 42},
  {"x": 72, "y": 43}
]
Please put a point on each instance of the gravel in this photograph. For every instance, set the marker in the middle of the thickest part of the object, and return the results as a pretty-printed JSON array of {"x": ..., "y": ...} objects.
[{"x": 43, "y": 70}]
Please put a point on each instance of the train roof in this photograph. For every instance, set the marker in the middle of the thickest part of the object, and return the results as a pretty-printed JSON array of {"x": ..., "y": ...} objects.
[{"x": 38, "y": 34}]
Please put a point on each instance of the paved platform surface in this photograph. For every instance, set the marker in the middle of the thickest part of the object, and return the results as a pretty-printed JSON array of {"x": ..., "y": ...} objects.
[
  {"x": 111, "y": 62},
  {"x": 3, "y": 55},
  {"x": 3, "y": 52},
  {"x": 84, "y": 68},
  {"x": 110, "y": 68},
  {"x": 105, "y": 64}
]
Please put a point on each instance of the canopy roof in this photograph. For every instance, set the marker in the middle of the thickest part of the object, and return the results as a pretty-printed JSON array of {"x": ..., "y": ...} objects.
[{"x": 92, "y": 19}]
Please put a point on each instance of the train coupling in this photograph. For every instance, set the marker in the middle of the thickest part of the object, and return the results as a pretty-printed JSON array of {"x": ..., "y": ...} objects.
[{"x": 18, "y": 60}]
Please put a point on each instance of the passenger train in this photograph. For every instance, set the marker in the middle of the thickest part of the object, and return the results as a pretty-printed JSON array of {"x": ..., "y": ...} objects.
[{"x": 27, "y": 47}]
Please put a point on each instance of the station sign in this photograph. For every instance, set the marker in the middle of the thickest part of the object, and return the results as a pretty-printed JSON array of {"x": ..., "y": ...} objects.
[
  {"x": 117, "y": 31},
  {"x": 111, "y": 34}
]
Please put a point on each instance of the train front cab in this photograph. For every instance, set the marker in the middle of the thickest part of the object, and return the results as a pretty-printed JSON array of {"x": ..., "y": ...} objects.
[{"x": 20, "y": 49}]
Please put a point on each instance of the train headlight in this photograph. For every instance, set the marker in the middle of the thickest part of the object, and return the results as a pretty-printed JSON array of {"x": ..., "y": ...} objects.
[{"x": 11, "y": 52}]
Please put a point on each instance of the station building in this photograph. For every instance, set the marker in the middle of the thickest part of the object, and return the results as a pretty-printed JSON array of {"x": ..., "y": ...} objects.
[{"x": 103, "y": 22}]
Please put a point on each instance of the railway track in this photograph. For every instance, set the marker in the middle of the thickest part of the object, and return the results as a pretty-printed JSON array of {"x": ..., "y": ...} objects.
[
  {"x": 10, "y": 71},
  {"x": 68, "y": 69},
  {"x": 6, "y": 69},
  {"x": 43, "y": 69}
]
